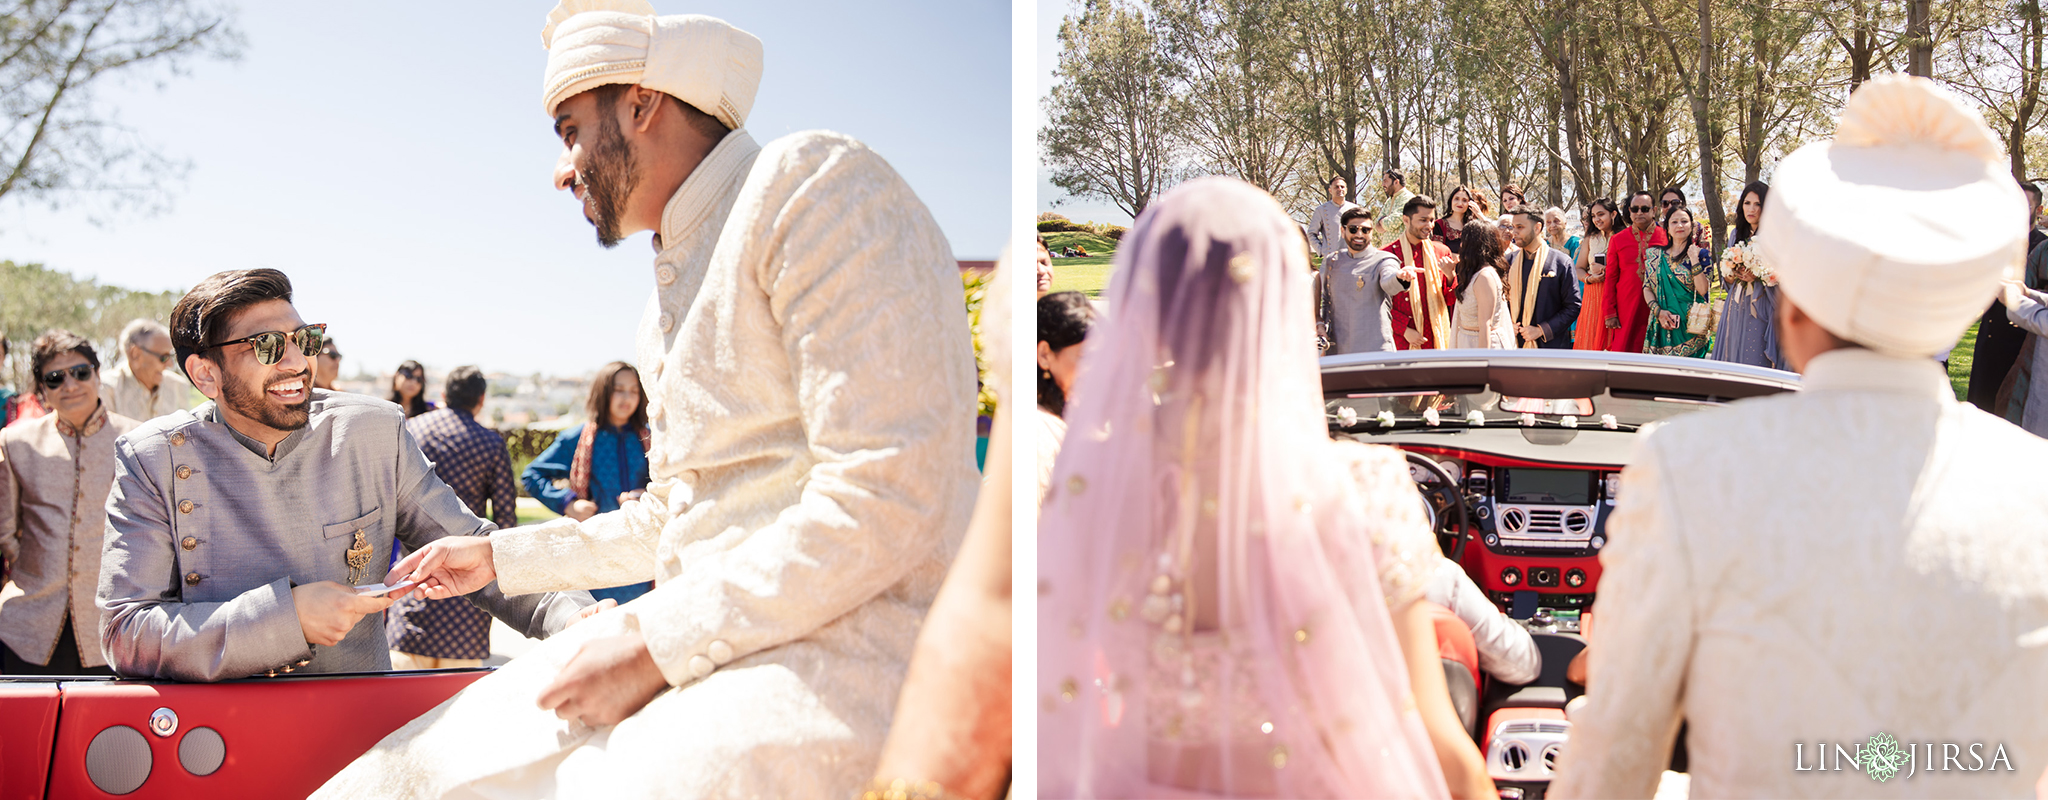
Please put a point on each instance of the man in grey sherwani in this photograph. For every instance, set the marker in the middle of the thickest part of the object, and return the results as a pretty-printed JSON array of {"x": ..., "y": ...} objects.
[
  {"x": 237, "y": 532},
  {"x": 1356, "y": 283}
]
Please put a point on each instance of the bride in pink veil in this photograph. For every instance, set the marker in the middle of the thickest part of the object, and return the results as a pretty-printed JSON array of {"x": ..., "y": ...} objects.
[{"x": 1216, "y": 574}]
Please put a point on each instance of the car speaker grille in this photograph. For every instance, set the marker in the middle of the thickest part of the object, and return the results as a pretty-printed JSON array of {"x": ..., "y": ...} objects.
[
  {"x": 202, "y": 751},
  {"x": 118, "y": 760}
]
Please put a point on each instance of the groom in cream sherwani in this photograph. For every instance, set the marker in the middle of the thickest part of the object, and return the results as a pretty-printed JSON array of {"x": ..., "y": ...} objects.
[
  {"x": 1867, "y": 558},
  {"x": 811, "y": 399}
]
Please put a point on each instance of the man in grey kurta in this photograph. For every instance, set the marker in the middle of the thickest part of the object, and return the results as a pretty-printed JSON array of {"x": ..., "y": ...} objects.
[
  {"x": 206, "y": 536},
  {"x": 1359, "y": 281},
  {"x": 237, "y": 532}
]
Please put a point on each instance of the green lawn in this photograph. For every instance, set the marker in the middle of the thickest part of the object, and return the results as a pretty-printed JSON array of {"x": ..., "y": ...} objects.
[
  {"x": 1086, "y": 275},
  {"x": 1959, "y": 362}
]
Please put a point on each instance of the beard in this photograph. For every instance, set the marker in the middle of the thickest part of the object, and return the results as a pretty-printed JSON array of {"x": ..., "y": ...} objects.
[
  {"x": 255, "y": 404},
  {"x": 612, "y": 176}
]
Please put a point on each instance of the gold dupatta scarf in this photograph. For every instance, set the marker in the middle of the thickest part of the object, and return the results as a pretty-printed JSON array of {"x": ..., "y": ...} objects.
[
  {"x": 1525, "y": 306},
  {"x": 1426, "y": 297}
]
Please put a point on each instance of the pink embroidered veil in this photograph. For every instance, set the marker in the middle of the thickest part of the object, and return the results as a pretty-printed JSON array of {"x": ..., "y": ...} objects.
[{"x": 1210, "y": 615}]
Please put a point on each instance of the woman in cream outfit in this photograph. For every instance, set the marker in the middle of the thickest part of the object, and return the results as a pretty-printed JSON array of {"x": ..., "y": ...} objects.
[{"x": 1483, "y": 322}]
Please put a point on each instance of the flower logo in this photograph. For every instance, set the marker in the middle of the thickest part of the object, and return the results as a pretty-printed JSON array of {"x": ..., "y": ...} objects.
[{"x": 1882, "y": 757}]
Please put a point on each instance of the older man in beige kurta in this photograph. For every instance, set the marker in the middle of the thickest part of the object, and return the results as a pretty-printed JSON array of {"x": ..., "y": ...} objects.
[
  {"x": 54, "y": 480},
  {"x": 811, "y": 400}
]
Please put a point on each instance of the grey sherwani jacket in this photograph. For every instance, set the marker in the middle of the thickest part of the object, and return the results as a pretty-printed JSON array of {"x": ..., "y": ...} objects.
[
  {"x": 206, "y": 538},
  {"x": 1359, "y": 286}
]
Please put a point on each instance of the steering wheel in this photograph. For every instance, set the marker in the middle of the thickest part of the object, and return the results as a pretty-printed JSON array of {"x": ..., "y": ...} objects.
[{"x": 1443, "y": 496}]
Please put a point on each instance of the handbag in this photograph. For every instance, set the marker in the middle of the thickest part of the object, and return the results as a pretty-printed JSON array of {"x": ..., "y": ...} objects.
[{"x": 1700, "y": 318}]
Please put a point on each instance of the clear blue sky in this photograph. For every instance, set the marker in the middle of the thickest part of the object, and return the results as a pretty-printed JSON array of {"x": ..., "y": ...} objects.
[
  {"x": 1050, "y": 197},
  {"x": 394, "y": 160}
]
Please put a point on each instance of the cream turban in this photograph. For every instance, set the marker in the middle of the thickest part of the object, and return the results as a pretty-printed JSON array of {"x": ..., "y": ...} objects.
[
  {"x": 700, "y": 60},
  {"x": 1896, "y": 234}
]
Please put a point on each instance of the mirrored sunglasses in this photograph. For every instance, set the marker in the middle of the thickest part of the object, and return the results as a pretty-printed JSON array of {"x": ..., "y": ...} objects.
[
  {"x": 269, "y": 345},
  {"x": 55, "y": 378}
]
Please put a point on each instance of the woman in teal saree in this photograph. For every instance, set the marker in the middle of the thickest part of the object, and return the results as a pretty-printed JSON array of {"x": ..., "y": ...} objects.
[{"x": 1674, "y": 278}]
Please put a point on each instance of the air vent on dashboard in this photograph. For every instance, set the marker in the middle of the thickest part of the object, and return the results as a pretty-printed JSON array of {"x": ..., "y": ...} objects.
[{"x": 1513, "y": 520}]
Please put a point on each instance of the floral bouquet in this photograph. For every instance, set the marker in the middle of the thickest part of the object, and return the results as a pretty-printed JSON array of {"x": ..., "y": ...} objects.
[{"x": 1745, "y": 255}]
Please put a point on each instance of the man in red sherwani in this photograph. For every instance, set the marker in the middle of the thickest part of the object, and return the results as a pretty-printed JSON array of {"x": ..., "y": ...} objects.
[
  {"x": 1622, "y": 305},
  {"x": 1437, "y": 290}
]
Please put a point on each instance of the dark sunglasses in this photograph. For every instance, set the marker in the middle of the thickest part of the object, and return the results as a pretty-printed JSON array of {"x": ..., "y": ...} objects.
[
  {"x": 269, "y": 345},
  {"x": 1354, "y": 229},
  {"x": 1673, "y": 202},
  {"x": 55, "y": 378},
  {"x": 1641, "y": 209}
]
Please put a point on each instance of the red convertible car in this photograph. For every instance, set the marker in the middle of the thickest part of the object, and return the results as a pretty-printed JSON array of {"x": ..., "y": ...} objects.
[
  {"x": 1518, "y": 455},
  {"x": 260, "y": 737}
]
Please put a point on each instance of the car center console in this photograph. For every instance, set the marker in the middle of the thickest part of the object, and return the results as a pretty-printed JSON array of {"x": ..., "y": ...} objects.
[{"x": 1535, "y": 530}]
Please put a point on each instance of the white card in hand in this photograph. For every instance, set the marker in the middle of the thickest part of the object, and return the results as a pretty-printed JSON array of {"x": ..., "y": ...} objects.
[{"x": 379, "y": 590}]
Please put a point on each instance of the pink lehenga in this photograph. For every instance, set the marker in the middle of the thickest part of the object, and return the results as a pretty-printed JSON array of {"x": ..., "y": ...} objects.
[{"x": 1215, "y": 573}]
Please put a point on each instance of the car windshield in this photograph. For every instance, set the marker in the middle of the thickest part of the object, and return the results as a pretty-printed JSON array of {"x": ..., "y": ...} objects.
[{"x": 1368, "y": 412}]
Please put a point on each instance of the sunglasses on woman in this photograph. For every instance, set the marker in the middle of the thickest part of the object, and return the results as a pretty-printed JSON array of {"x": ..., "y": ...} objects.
[
  {"x": 269, "y": 345},
  {"x": 55, "y": 378}
]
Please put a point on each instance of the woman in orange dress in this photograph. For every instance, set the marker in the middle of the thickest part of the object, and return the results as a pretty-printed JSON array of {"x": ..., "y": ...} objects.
[{"x": 1590, "y": 267}]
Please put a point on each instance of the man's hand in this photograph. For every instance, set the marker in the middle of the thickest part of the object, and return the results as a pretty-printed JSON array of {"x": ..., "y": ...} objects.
[
  {"x": 1408, "y": 274},
  {"x": 628, "y": 497},
  {"x": 607, "y": 680},
  {"x": 581, "y": 510},
  {"x": 328, "y": 610},
  {"x": 1413, "y": 336},
  {"x": 1531, "y": 333},
  {"x": 1614, "y": 323},
  {"x": 450, "y": 566},
  {"x": 2011, "y": 292}
]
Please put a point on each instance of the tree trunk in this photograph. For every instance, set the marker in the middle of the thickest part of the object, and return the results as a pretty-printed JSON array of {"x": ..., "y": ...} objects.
[
  {"x": 1919, "y": 39},
  {"x": 2030, "y": 88},
  {"x": 1707, "y": 131}
]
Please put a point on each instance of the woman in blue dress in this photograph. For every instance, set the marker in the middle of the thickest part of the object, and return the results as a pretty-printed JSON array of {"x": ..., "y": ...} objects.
[
  {"x": 1748, "y": 333},
  {"x": 598, "y": 466}
]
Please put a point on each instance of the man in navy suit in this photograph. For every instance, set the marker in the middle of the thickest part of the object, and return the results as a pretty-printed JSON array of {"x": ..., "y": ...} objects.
[{"x": 1543, "y": 300}]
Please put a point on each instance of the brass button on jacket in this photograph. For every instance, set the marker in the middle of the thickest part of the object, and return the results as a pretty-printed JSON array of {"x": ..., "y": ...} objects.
[
  {"x": 185, "y": 507},
  {"x": 190, "y": 543},
  {"x": 184, "y": 472},
  {"x": 192, "y": 579}
]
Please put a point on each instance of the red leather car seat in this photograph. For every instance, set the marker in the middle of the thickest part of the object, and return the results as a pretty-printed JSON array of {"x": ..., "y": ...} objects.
[{"x": 1460, "y": 655}]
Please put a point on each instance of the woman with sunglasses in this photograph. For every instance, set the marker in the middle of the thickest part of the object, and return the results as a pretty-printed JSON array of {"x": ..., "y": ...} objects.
[
  {"x": 57, "y": 470},
  {"x": 409, "y": 389}
]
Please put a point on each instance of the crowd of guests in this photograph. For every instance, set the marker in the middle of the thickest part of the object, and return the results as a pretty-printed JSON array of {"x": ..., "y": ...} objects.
[
  {"x": 57, "y": 456},
  {"x": 1639, "y": 277}
]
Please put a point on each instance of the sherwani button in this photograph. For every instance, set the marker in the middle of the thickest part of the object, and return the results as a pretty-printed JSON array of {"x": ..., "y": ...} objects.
[
  {"x": 666, "y": 321},
  {"x": 700, "y": 666},
  {"x": 184, "y": 472},
  {"x": 190, "y": 543},
  {"x": 665, "y": 273},
  {"x": 177, "y": 439},
  {"x": 185, "y": 507},
  {"x": 720, "y": 652},
  {"x": 192, "y": 579}
]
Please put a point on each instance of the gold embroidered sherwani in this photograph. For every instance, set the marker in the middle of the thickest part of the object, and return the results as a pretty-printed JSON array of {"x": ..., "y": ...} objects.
[{"x": 811, "y": 396}]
